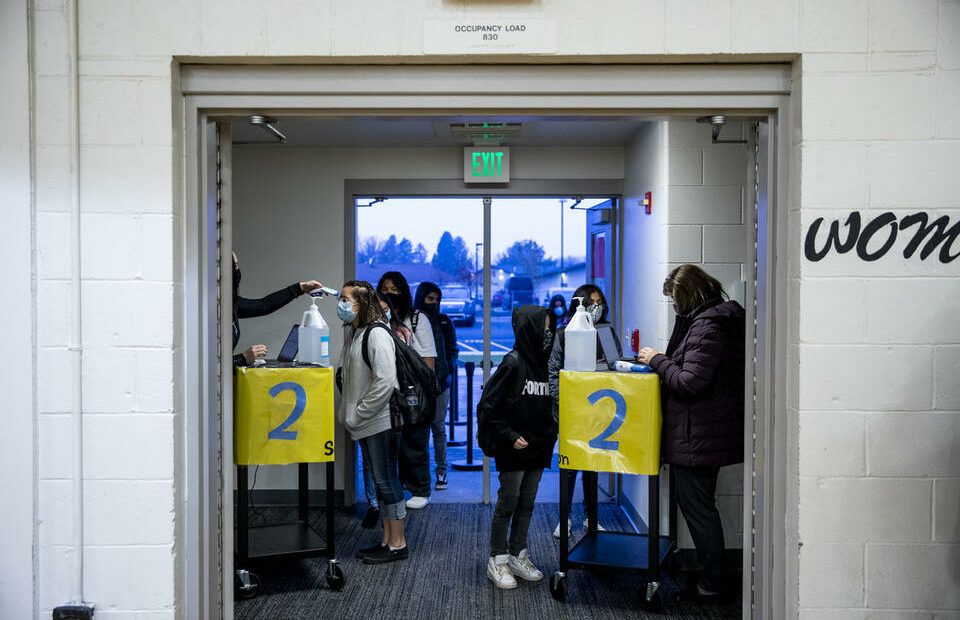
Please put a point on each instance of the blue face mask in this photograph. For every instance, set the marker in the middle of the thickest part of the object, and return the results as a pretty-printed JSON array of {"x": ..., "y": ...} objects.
[
  {"x": 388, "y": 316},
  {"x": 345, "y": 311},
  {"x": 558, "y": 310}
]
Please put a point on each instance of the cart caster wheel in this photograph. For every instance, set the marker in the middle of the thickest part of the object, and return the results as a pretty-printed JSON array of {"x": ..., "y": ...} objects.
[
  {"x": 653, "y": 604},
  {"x": 246, "y": 584},
  {"x": 335, "y": 578},
  {"x": 558, "y": 587}
]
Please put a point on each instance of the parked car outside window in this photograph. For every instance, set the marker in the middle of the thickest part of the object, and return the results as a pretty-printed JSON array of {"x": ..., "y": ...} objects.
[
  {"x": 519, "y": 292},
  {"x": 457, "y": 304}
]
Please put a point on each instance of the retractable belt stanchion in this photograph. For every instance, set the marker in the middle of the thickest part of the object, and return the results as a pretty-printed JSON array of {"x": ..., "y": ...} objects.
[
  {"x": 469, "y": 465},
  {"x": 284, "y": 416},
  {"x": 454, "y": 407}
]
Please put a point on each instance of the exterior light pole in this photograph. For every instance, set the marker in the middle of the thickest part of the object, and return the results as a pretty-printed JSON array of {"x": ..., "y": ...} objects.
[
  {"x": 476, "y": 268},
  {"x": 563, "y": 205}
]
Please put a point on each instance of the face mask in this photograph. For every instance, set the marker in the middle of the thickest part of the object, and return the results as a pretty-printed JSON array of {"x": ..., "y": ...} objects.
[
  {"x": 595, "y": 311},
  {"x": 547, "y": 340},
  {"x": 394, "y": 299},
  {"x": 345, "y": 311},
  {"x": 431, "y": 309},
  {"x": 388, "y": 316},
  {"x": 558, "y": 310}
]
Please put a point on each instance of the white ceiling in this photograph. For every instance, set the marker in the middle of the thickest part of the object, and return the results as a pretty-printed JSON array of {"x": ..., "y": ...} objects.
[{"x": 371, "y": 131}]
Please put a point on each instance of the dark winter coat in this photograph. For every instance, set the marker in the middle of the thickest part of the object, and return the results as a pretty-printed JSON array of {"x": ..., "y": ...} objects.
[
  {"x": 702, "y": 387},
  {"x": 244, "y": 308},
  {"x": 516, "y": 400}
]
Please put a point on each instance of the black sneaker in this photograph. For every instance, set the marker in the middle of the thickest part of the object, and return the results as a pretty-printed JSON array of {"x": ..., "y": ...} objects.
[
  {"x": 386, "y": 554},
  {"x": 371, "y": 549},
  {"x": 441, "y": 482},
  {"x": 371, "y": 519}
]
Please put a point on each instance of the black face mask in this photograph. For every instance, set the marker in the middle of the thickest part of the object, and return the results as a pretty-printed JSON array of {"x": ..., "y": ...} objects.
[
  {"x": 236, "y": 279},
  {"x": 430, "y": 309},
  {"x": 395, "y": 300}
]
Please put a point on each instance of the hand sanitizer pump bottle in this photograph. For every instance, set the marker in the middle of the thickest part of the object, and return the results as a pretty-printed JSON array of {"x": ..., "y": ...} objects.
[
  {"x": 314, "y": 337},
  {"x": 580, "y": 351}
]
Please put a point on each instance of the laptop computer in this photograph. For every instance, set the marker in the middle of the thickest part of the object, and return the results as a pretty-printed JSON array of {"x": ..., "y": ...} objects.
[
  {"x": 608, "y": 345},
  {"x": 291, "y": 346}
]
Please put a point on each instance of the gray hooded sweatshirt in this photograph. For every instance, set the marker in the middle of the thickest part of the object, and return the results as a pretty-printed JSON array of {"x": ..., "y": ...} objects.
[{"x": 365, "y": 403}]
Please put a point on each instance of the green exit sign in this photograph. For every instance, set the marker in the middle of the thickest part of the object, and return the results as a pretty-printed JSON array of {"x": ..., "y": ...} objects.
[{"x": 485, "y": 164}]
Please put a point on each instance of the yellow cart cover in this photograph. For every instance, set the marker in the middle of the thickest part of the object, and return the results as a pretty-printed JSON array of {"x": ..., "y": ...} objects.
[
  {"x": 283, "y": 415},
  {"x": 610, "y": 422}
]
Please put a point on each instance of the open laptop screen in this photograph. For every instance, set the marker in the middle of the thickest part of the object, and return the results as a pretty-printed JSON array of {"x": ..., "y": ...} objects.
[
  {"x": 291, "y": 346},
  {"x": 608, "y": 343}
]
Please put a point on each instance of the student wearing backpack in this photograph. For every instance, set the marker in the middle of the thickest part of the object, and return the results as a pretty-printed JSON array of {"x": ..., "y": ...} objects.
[
  {"x": 516, "y": 427},
  {"x": 415, "y": 439},
  {"x": 365, "y": 411},
  {"x": 427, "y": 301}
]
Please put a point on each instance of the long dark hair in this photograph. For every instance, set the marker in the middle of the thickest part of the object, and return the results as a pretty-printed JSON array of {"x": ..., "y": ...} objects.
[
  {"x": 394, "y": 322},
  {"x": 586, "y": 291},
  {"x": 404, "y": 302},
  {"x": 368, "y": 306},
  {"x": 691, "y": 287}
]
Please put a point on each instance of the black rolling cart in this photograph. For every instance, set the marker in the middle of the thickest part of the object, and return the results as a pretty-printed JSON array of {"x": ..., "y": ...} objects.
[
  {"x": 290, "y": 541},
  {"x": 284, "y": 415},
  {"x": 644, "y": 554}
]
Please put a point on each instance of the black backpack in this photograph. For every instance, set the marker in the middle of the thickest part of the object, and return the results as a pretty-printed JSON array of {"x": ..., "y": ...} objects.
[
  {"x": 440, "y": 366},
  {"x": 488, "y": 440},
  {"x": 414, "y": 402}
]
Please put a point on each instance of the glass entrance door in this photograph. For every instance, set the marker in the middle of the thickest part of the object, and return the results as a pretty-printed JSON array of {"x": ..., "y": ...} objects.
[{"x": 531, "y": 250}]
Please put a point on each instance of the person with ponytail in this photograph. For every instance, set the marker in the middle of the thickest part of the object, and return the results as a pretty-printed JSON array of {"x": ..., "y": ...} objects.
[{"x": 365, "y": 412}]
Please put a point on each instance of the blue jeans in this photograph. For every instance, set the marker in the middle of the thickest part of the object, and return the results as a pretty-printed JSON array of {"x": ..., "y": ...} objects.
[
  {"x": 440, "y": 433},
  {"x": 369, "y": 490},
  {"x": 381, "y": 451}
]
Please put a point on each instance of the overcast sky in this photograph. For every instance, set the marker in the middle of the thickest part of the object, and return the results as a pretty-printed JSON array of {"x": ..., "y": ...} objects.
[{"x": 423, "y": 220}]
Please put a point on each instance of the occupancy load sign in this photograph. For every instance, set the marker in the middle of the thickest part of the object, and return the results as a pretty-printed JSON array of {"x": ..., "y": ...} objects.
[
  {"x": 283, "y": 415},
  {"x": 610, "y": 422}
]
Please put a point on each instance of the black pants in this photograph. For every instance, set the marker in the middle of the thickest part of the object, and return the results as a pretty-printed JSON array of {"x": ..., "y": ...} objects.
[
  {"x": 590, "y": 482},
  {"x": 415, "y": 459},
  {"x": 515, "y": 500},
  {"x": 696, "y": 489}
]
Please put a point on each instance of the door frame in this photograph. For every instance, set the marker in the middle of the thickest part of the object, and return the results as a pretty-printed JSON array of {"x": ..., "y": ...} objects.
[{"x": 209, "y": 92}]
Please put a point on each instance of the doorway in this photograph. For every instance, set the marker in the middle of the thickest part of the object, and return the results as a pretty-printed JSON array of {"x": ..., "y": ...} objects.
[
  {"x": 540, "y": 249},
  {"x": 687, "y": 99}
]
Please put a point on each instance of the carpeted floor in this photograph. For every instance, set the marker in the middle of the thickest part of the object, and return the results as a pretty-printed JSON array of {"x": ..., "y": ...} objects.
[{"x": 445, "y": 576}]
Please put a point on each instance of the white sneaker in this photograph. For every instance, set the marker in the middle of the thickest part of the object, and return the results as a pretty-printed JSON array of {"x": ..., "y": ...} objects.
[
  {"x": 499, "y": 572},
  {"x": 586, "y": 526},
  {"x": 417, "y": 502},
  {"x": 522, "y": 567},
  {"x": 556, "y": 532}
]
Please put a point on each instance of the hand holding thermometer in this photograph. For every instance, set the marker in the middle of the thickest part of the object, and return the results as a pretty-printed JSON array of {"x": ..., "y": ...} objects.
[{"x": 324, "y": 290}]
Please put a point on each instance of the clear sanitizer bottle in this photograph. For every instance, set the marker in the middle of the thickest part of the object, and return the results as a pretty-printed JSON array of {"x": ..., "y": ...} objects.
[
  {"x": 580, "y": 351},
  {"x": 314, "y": 337}
]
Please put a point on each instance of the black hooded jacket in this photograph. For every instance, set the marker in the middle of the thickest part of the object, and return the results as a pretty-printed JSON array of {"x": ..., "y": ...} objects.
[{"x": 516, "y": 400}]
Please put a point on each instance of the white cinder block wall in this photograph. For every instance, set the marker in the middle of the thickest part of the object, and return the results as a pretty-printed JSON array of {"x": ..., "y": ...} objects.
[
  {"x": 707, "y": 199},
  {"x": 873, "y": 360},
  {"x": 699, "y": 196}
]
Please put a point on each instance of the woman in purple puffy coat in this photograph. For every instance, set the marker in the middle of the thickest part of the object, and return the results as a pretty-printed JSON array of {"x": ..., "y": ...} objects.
[{"x": 702, "y": 395}]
